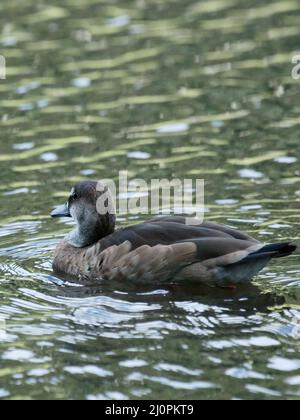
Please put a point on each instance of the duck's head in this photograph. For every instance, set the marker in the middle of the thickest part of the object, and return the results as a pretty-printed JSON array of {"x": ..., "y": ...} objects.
[{"x": 90, "y": 205}]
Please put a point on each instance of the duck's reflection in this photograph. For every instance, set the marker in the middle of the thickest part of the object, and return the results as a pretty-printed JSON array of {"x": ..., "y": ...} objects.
[{"x": 248, "y": 299}]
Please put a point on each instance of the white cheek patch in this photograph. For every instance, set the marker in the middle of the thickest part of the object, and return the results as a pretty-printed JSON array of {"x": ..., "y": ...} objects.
[{"x": 72, "y": 191}]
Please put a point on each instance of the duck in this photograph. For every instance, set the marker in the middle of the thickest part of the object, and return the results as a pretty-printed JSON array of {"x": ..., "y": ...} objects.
[{"x": 166, "y": 249}]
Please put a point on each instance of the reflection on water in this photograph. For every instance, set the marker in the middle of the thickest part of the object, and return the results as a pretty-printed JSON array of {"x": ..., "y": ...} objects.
[{"x": 191, "y": 89}]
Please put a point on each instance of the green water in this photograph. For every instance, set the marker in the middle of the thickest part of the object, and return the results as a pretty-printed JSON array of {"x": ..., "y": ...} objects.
[{"x": 159, "y": 87}]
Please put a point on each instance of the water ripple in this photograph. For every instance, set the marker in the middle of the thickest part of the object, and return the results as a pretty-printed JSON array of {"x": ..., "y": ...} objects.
[{"x": 93, "y": 88}]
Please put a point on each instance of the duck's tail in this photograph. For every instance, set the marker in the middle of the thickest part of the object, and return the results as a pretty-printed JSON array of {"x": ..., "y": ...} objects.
[
  {"x": 278, "y": 250},
  {"x": 250, "y": 266}
]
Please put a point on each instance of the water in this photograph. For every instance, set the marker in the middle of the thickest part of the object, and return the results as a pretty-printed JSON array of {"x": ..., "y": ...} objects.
[{"x": 192, "y": 89}]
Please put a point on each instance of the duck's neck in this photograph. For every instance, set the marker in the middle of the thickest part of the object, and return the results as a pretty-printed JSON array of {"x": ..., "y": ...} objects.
[
  {"x": 78, "y": 240},
  {"x": 86, "y": 234}
]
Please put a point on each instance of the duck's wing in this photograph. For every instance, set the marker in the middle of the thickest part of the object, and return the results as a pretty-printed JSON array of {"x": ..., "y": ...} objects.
[
  {"x": 169, "y": 232},
  {"x": 166, "y": 250},
  {"x": 203, "y": 224},
  {"x": 145, "y": 263},
  {"x": 164, "y": 263},
  {"x": 213, "y": 261}
]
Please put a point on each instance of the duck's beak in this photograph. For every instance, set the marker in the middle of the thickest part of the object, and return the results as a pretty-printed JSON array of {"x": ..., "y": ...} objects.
[{"x": 61, "y": 211}]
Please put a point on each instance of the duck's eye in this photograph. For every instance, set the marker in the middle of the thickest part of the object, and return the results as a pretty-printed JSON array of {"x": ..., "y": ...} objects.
[{"x": 74, "y": 196}]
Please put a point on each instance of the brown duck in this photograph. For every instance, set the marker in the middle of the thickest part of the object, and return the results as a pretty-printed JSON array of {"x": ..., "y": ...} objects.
[{"x": 165, "y": 249}]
